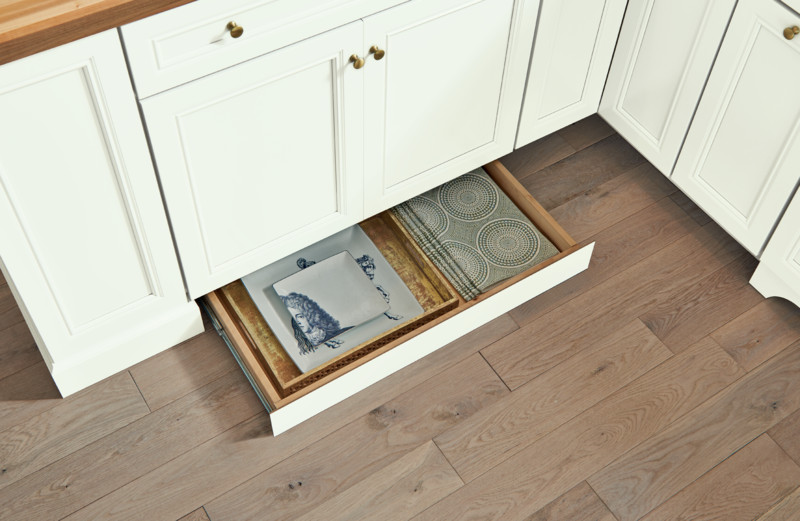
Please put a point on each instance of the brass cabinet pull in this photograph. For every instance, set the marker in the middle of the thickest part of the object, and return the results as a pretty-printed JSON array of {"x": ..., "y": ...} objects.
[
  {"x": 790, "y": 32},
  {"x": 377, "y": 52},
  {"x": 235, "y": 29},
  {"x": 356, "y": 61}
]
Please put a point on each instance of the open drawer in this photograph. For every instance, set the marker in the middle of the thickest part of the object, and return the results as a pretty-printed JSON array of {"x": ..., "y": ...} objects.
[{"x": 453, "y": 317}]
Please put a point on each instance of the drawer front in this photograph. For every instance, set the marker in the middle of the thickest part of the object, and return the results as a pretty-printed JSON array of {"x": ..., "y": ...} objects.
[
  {"x": 288, "y": 410},
  {"x": 194, "y": 40}
]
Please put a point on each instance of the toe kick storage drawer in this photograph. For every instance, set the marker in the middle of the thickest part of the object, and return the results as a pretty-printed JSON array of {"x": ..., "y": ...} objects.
[{"x": 449, "y": 316}]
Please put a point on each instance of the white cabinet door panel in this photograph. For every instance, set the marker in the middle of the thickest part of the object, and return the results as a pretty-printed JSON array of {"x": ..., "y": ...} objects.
[
  {"x": 663, "y": 57},
  {"x": 262, "y": 159},
  {"x": 83, "y": 234},
  {"x": 571, "y": 55},
  {"x": 446, "y": 97},
  {"x": 778, "y": 273},
  {"x": 739, "y": 162}
]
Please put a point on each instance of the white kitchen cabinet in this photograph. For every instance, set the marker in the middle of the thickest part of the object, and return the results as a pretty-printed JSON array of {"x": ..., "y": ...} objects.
[
  {"x": 664, "y": 53},
  {"x": 84, "y": 240},
  {"x": 263, "y": 158},
  {"x": 741, "y": 156},
  {"x": 445, "y": 98},
  {"x": 778, "y": 273},
  {"x": 571, "y": 55}
]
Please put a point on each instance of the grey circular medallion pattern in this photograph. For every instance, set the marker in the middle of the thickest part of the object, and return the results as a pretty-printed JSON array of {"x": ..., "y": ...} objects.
[
  {"x": 469, "y": 260},
  {"x": 469, "y": 197},
  {"x": 508, "y": 242},
  {"x": 431, "y": 214}
]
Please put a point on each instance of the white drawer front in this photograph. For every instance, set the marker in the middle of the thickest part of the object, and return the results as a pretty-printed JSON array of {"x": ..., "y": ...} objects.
[{"x": 193, "y": 40}]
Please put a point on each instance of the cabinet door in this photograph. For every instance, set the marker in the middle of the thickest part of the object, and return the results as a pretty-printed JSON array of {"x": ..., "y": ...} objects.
[
  {"x": 445, "y": 98},
  {"x": 571, "y": 55},
  {"x": 83, "y": 235},
  {"x": 741, "y": 156},
  {"x": 663, "y": 57},
  {"x": 261, "y": 159},
  {"x": 778, "y": 273}
]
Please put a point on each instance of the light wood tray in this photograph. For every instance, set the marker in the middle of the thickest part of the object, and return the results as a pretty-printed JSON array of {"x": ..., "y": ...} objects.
[{"x": 428, "y": 286}]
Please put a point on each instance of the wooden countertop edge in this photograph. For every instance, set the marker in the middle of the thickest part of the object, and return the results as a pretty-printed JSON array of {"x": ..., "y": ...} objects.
[{"x": 78, "y": 23}]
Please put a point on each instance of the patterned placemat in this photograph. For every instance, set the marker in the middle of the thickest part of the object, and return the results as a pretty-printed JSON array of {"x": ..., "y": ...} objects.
[{"x": 474, "y": 233}]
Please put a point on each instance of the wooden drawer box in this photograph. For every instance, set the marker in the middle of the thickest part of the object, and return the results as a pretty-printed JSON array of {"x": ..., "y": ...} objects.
[
  {"x": 288, "y": 410},
  {"x": 194, "y": 40}
]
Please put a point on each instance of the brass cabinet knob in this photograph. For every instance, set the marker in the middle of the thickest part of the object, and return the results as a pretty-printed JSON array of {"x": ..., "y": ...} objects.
[
  {"x": 235, "y": 29},
  {"x": 356, "y": 61},
  {"x": 790, "y": 32},
  {"x": 377, "y": 52}
]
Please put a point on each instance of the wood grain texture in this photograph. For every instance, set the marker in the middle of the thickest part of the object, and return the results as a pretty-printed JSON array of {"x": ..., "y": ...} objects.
[
  {"x": 31, "y": 26},
  {"x": 182, "y": 369},
  {"x": 691, "y": 209},
  {"x": 695, "y": 311},
  {"x": 672, "y": 459},
  {"x": 741, "y": 488},
  {"x": 244, "y": 451},
  {"x": 786, "y": 510},
  {"x": 497, "y": 433},
  {"x": 140, "y": 447},
  {"x": 608, "y": 203},
  {"x": 551, "y": 466},
  {"x": 616, "y": 248},
  {"x": 17, "y": 350},
  {"x": 760, "y": 333},
  {"x": 198, "y": 515},
  {"x": 568, "y": 329},
  {"x": 383, "y": 436},
  {"x": 27, "y": 393},
  {"x": 579, "y": 504},
  {"x": 586, "y": 132},
  {"x": 396, "y": 492},
  {"x": 787, "y": 434},
  {"x": 570, "y": 177},
  {"x": 538, "y": 155},
  {"x": 72, "y": 424},
  {"x": 9, "y": 311}
]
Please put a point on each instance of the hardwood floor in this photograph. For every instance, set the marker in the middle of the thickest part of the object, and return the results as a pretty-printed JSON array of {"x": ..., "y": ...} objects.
[{"x": 656, "y": 385}]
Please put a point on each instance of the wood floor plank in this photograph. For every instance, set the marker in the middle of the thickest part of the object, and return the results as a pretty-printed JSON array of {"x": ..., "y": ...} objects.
[
  {"x": 691, "y": 209},
  {"x": 566, "y": 330},
  {"x": 25, "y": 394},
  {"x": 786, "y": 510},
  {"x": 198, "y": 515},
  {"x": 689, "y": 315},
  {"x": 687, "y": 449},
  {"x": 246, "y": 450},
  {"x": 760, "y": 333},
  {"x": 499, "y": 432},
  {"x": 579, "y": 504},
  {"x": 611, "y": 202},
  {"x": 9, "y": 311},
  {"x": 787, "y": 434},
  {"x": 586, "y": 132},
  {"x": 741, "y": 488},
  {"x": 616, "y": 248},
  {"x": 582, "y": 171},
  {"x": 74, "y": 423},
  {"x": 361, "y": 448},
  {"x": 17, "y": 351},
  {"x": 535, "y": 156},
  {"x": 396, "y": 492},
  {"x": 181, "y": 369},
  {"x": 561, "y": 460},
  {"x": 130, "y": 452}
]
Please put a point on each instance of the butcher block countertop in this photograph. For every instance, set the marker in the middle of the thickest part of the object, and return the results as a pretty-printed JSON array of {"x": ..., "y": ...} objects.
[{"x": 31, "y": 26}]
